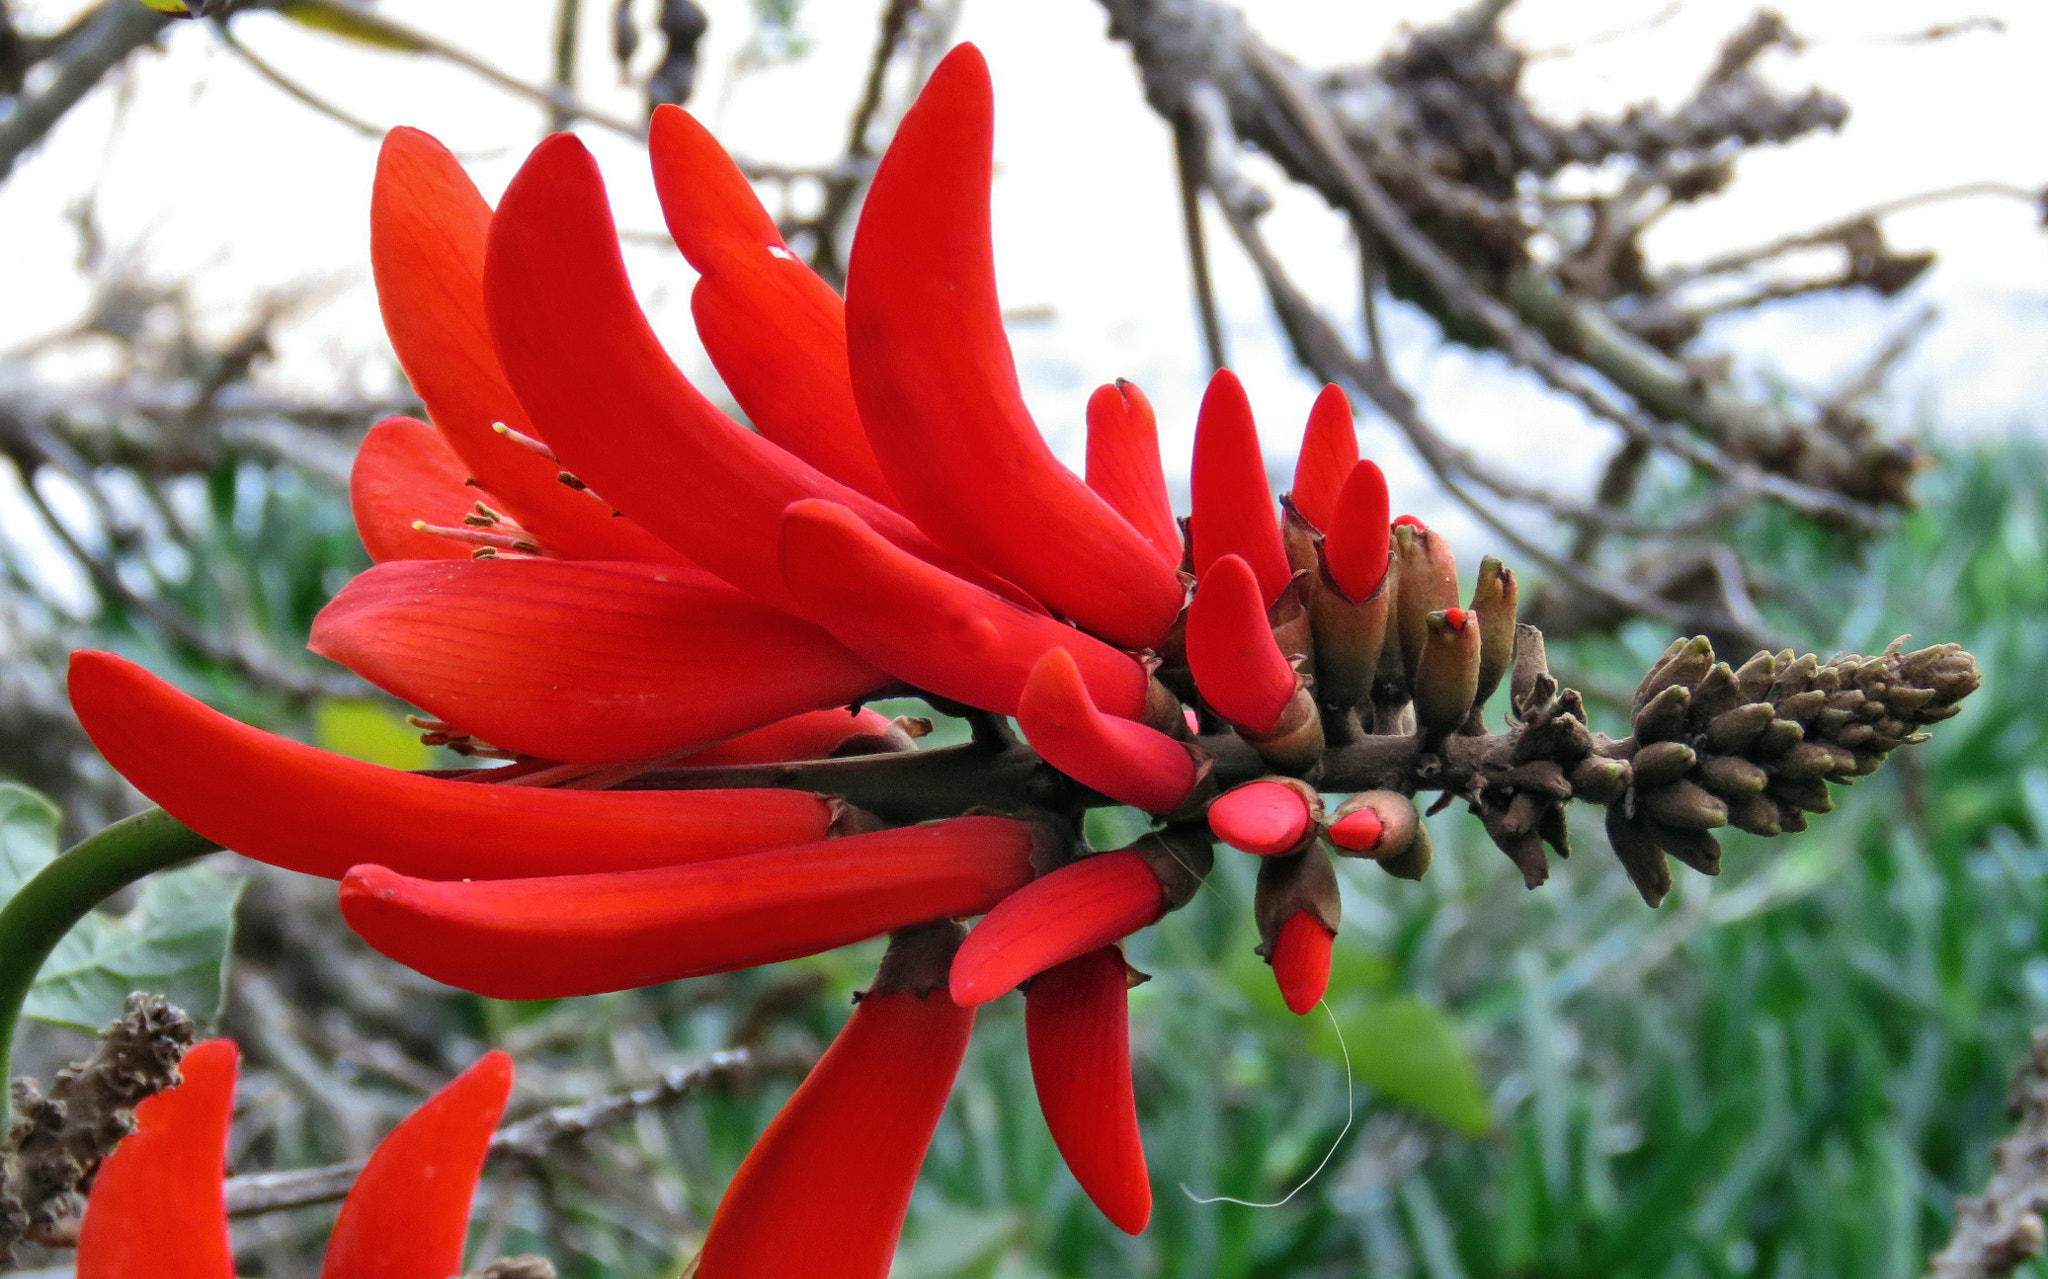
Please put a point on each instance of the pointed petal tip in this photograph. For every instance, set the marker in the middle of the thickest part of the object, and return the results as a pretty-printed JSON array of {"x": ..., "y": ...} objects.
[
  {"x": 1301, "y": 961},
  {"x": 1262, "y": 818},
  {"x": 1121, "y": 758},
  {"x": 1100, "y": 899}
]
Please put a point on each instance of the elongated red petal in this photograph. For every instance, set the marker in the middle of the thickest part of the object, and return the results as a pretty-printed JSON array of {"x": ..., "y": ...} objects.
[
  {"x": 1089, "y": 903},
  {"x": 922, "y": 624},
  {"x": 1329, "y": 449},
  {"x": 1077, "y": 1026},
  {"x": 404, "y": 471},
  {"x": 1301, "y": 961},
  {"x": 157, "y": 1207},
  {"x": 1233, "y": 505},
  {"x": 937, "y": 387},
  {"x": 824, "y": 1190},
  {"x": 587, "y": 662},
  {"x": 776, "y": 332},
  {"x": 811, "y": 735},
  {"x": 1121, "y": 758},
  {"x": 303, "y": 809},
  {"x": 1236, "y": 663},
  {"x": 1124, "y": 465},
  {"x": 1359, "y": 830},
  {"x": 408, "y": 1213},
  {"x": 1359, "y": 534},
  {"x": 1264, "y": 818},
  {"x": 427, "y": 230},
  {"x": 582, "y": 934},
  {"x": 596, "y": 381}
]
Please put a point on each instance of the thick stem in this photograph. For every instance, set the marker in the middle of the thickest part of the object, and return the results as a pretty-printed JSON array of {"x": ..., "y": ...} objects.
[{"x": 36, "y": 918}]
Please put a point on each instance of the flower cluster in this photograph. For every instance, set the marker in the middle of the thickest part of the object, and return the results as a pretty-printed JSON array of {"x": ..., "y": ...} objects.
[{"x": 587, "y": 569}]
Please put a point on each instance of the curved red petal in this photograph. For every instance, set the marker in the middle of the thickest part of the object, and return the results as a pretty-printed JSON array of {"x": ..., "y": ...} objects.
[
  {"x": 1124, "y": 465},
  {"x": 157, "y": 1207},
  {"x": 583, "y": 934},
  {"x": 1077, "y": 1027},
  {"x": 595, "y": 379},
  {"x": 811, "y": 735},
  {"x": 1301, "y": 961},
  {"x": 427, "y": 230},
  {"x": 922, "y": 624},
  {"x": 775, "y": 331},
  {"x": 404, "y": 471},
  {"x": 1080, "y": 906},
  {"x": 408, "y": 1213},
  {"x": 1329, "y": 449},
  {"x": 937, "y": 387},
  {"x": 1360, "y": 536},
  {"x": 824, "y": 1190},
  {"x": 1124, "y": 760},
  {"x": 1233, "y": 510},
  {"x": 585, "y": 662},
  {"x": 303, "y": 809},
  {"x": 1359, "y": 830},
  {"x": 1263, "y": 818},
  {"x": 1236, "y": 663}
]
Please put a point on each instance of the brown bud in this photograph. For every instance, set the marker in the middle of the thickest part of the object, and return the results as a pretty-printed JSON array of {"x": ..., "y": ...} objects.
[
  {"x": 1755, "y": 677},
  {"x": 1663, "y": 716},
  {"x": 1296, "y": 742},
  {"x": 1662, "y": 762},
  {"x": 1413, "y": 861},
  {"x": 1296, "y": 882},
  {"x": 1513, "y": 831},
  {"x": 1802, "y": 707},
  {"x": 1495, "y": 599},
  {"x": 1684, "y": 805},
  {"x": 1816, "y": 759},
  {"x": 1777, "y": 737},
  {"x": 1715, "y": 694},
  {"x": 1807, "y": 793},
  {"x": 1379, "y": 824},
  {"x": 1696, "y": 848},
  {"x": 1729, "y": 776},
  {"x": 1428, "y": 583},
  {"x": 1735, "y": 732},
  {"x": 1755, "y": 813},
  {"x": 1349, "y": 637},
  {"x": 1533, "y": 686},
  {"x": 1599, "y": 780},
  {"x": 1446, "y": 673},
  {"x": 1542, "y": 776},
  {"x": 1682, "y": 666},
  {"x": 1640, "y": 855}
]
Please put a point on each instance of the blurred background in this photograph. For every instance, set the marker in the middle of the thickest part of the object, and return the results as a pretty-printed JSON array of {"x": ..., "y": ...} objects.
[{"x": 1707, "y": 320}]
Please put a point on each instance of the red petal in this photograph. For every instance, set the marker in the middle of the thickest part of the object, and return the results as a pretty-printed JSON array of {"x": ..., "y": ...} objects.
[
  {"x": 603, "y": 391},
  {"x": 1077, "y": 1025},
  {"x": 1236, "y": 663},
  {"x": 1264, "y": 818},
  {"x": 1124, "y": 467},
  {"x": 408, "y": 1213},
  {"x": 1124, "y": 760},
  {"x": 427, "y": 232},
  {"x": 157, "y": 1207},
  {"x": 776, "y": 332},
  {"x": 811, "y": 735},
  {"x": 937, "y": 387},
  {"x": 1360, "y": 536},
  {"x": 922, "y": 624},
  {"x": 823, "y": 1192},
  {"x": 595, "y": 663},
  {"x": 1233, "y": 507},
  {"x": 1358, "y": 830},
  {"x": 306, "y": 810},
  {"x": 1301, "y": 961},
  {"x": 1329, "y": 449},
  {"x": 404, "y": 472},
  {"x": 583, "y": 934},
  {"x": 1089, "y": 903}
]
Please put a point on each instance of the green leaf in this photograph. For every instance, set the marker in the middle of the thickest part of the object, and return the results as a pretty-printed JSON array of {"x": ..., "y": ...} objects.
[
  {"x": 1411, "y": 1053},
  {"x": 167, "y": 6},
  {"x": 173, "y": 942}
]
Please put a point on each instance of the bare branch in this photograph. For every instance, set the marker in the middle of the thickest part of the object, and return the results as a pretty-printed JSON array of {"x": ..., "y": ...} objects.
[
  {"x": 117, "y": 29},
  {"x": 1998, "y": 1231}
]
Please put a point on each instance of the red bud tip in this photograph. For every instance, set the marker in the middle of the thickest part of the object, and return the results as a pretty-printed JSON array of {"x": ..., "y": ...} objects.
[
  {"x": 1236, "y": 663},
  {"x": 1329, "y": 449},
  {"x": 1301, "y": 961},
  {"x": 1089, "y": 903},
  {"x": 1122, "y": 759},
  {"x": 1124, "y": 467},
  {"x": 1456, "y": 618},
  {"x": 1077, "y": 1026},
  {"x": 1412, "y": 522},
  {"x": 1358, "y": 831},
  {"x": 1356, "y": 549},
  {"x": 1263, "y": 818},
  {"x": 1233, "y": 507}
]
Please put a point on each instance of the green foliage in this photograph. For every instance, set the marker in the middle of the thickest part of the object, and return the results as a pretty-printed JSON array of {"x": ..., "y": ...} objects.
[{"x": 174, "y": 941}]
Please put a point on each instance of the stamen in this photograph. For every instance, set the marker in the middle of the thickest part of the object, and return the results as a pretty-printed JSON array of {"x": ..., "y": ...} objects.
[
  {"x": 477, "y": 537},
  {"x": 524, "y": 440},
  {"x": 573, "y": 482}
]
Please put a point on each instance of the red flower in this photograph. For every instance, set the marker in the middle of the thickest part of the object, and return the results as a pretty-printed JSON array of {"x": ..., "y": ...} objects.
[{"x": 157, "y": 1206}]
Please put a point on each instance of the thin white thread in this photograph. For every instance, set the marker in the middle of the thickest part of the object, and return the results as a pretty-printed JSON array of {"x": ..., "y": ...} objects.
[{"x": 1350, "y": 1113}]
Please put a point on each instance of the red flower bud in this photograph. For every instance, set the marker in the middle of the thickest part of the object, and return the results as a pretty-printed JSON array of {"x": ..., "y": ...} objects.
[
  {"x": 1122, "y": 759},
  {"x": 1329, "y": 451},
  {"x": 1266, "y": 817},
  {"x": 1239, "y": 669},
  {"x": 1359, "y": 545},
  {"x": 1124, "y": 467},
  {"x": 1233, "y": 507},
  {"x": 1301, "y": 961},
  {"x": 1073, "y": 910},
  {"x": 1446, "y": 673},
  {"x": 157, "y": 1206},
  {"x": 1077, "y": 1027}
]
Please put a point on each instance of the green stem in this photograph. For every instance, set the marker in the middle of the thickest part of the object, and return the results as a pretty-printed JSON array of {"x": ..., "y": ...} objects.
[{"x": 36, "y": 918}]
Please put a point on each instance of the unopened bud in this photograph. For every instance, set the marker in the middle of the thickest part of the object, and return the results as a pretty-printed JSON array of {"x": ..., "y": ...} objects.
[
  {"x": 1599, "y": 780},
  {"x": 1446, "y": 673},
  {"x": 1663, "y": 716},
  {"x": 1685, "y": 805},
  {"x": 1427, "y": 583},
  {"x": 1662, "y": 762},
  {"x": 1682, "y": 666},
  {"x": 1375, "y": 823},
  {"x": 1303, "y": 881},
  {"x": 1495, "y": 600},
  {"x": 1270, "y": 817}
]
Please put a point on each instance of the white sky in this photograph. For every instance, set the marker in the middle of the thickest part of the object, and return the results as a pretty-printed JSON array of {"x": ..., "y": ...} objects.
[{"x": 227, "y": 181}]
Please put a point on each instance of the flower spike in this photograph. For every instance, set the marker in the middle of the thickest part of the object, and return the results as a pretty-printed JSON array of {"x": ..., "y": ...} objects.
[
  {"x": 1081, "y": 906},
  {"x": 157, "y": 1206},
  {"x": 1329, "y": 451},
  {"x": 405, "y": 472},
  {"x": 603, "y": 932},
  {"x": 1233, "y": 507},
  {"x": 1077, "y": 1028},
  {"x": 1124, "y": 760},
  {"x": 775, "y": 331},
  {"x": 408, "y": 1213},
  {"x": 277, "y": 801},
  {"x": 937, "y": 385},
  {"x": 584, "y": 662},
  {"x": 1124, "y": 466},
  {"x": 825, "y": 1189},
  {"x": 922, "y": 624}
]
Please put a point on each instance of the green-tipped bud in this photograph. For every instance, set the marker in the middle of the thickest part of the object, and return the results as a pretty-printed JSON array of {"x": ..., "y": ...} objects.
[
  {"x": 1349, "y": 638},
  {"x": 1640, "y": 855},
  {"x": 1729, "y": 776},
  {"x": 1756, "y": 813},
  {"x": 1661, "y": 763},
  {"x": 1494, "y": 599},
  {"x": 1714, "y": 695},
  {"x": 1446, "y": 673},
  {"x": 1599, "y": 780},
  {"x": 1684, "y": 805},
  {"x": 1735, "y": 732},
  {"x": 1683, "y": 665},
  {"x": 1428, "y": 583},
  {"x": 1663, "y": 716}
]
